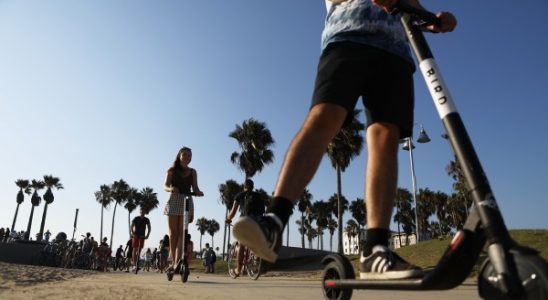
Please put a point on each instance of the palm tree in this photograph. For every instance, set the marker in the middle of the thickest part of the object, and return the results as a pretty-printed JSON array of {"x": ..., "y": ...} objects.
[
  {"x": 454, "y": 170},
  {"x": 255, "y": 141},
  {"x": 442, "y": 213},
  {"x": 405, "y": 214},
  {"x": 331, "y": 226},
  {"x": 23, "y": 185},
  {"x": 311, "y": 233},
  {"x": 427, "y": 207},
  {"x": 228, "y": 192},
  {"x": 456, "y": 211},
  {"x": 36, "y": 185},
  {"x": 131, "y": 203},
  {"x": 148, "y": 199},
  {"x": 50, "y": 182},
  {"x": 322, "y": 211},
  {"x": 338, "y": 203},
  {"x": 304, "y": 203},
  {"x": 346, "y": 145},
  {"x": 103, "y": 196},
  {"x": 358, "y": 211},
  {"x": 212, "y": 228},
  {"x": 202, "y": 224},
  {"x": 120, "y": 191}
]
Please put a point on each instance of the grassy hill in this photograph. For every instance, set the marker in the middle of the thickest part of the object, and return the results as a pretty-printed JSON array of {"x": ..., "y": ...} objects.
[{"x": 425, "y": 254}]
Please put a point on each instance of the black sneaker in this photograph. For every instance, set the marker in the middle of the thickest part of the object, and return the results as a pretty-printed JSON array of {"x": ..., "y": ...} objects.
[
  {"x": 263, "y": 235},
  {"x": 385, "y": 264}
]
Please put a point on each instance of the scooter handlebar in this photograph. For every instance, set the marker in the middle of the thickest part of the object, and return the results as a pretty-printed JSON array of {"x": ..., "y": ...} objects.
[{"x": 424, "y": 15}]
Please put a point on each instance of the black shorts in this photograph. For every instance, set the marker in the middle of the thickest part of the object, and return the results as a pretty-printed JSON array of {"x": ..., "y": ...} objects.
[{"x": 349, "y": 70}]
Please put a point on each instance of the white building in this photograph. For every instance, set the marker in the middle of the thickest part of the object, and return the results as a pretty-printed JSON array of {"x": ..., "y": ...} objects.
[{"x": 351, "y": 246}]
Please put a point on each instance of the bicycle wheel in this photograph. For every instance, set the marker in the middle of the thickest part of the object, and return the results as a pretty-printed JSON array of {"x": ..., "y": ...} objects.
[
  {"x": 83, "y": 262},
  {"x": 232, "y": 261},
  {"x": 253, "y": 266}
]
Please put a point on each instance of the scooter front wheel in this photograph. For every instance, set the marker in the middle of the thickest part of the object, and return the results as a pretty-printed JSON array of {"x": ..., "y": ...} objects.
[
  {"x": 338, "y": 268},
  {"x": 532, "y": 272},
  {"x": 185, "y": 272}
]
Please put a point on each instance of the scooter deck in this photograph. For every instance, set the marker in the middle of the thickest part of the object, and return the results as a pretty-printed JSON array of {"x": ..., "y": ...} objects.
[{"x": 345, "y": 284}]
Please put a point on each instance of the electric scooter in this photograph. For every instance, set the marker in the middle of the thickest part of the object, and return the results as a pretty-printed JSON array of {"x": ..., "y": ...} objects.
[
  {"x": 510, "y": 271},
  {"x": 182, "y": 265},
  {"x": 184, "y": 269}
]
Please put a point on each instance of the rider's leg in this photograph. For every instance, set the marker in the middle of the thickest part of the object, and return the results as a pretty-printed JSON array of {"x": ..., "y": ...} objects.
[
  {"x": 305, "y": 153},
  {"x": 381, "y": 180},
  {"x": 138, "y": 252},
  {"x": 135, "y": 255},
  {"x": 301, "y": 161},
  {"x": 240, "y": 251},
  {"x": 173, "y": 224}
]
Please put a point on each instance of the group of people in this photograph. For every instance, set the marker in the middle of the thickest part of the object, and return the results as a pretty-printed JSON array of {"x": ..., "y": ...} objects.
[
  {"x": 364, "y": 54},
  {"x": 209, "y": 257},
  {"x": 5, "y": 234}
]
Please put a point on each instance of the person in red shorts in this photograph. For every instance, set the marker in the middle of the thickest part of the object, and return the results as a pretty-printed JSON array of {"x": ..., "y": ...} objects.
[{"x": 139, "y": 226}]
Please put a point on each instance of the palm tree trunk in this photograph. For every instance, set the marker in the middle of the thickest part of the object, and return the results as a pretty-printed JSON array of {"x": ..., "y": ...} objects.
[
  {"x": 287, "y": 239},
  {"x": 129, "y": 222},
  {"x": 212, "y": 246},
  {"x": 200, "y": 250},
  {"x": 339, "y": 209},
  {"x": 302, "y": 230},
  {"x": 228, "y": 242},
  {"x": 15, "y": 217},
  {"x": 224, "y": 236},
  {"x": 27, "y": 233},
  {"x": 112, "y": 228},
  {"x": 43, "y": 223},
  {"x": 321, "y": 242},
  {"x": 101, "y": 235}
]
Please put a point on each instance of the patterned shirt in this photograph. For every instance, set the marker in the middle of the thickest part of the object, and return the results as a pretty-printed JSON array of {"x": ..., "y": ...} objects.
[{"x": 363, "y": 22}]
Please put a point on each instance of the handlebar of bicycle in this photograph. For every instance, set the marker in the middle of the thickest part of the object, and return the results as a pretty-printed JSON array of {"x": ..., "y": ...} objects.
[
  {"x": 424, "y": 15},
  {"x": 190, "y": 194}
]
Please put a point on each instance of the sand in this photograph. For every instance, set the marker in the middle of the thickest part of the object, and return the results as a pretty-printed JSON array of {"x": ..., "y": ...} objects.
[{"x": 37, "y": 282}]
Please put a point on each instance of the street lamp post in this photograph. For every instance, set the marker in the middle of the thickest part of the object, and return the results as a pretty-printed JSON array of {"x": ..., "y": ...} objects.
[{"x": 423, "y": 138}]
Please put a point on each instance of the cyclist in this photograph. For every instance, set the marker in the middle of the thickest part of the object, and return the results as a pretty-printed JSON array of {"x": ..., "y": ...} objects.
[
  {"x": 128, "y": 252},
  {"x": 119, "y": 256},
  {"x": 164, "y": 253},
  {"x": 251, "y": 204},
  {"x": 87, "y": 243},
  {"x": 102, "y": 254},
  {"x": 139, "y": 226}
]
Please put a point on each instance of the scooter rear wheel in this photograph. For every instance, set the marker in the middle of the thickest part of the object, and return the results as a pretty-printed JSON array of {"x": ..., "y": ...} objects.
[{"x": 533, "y": 274}]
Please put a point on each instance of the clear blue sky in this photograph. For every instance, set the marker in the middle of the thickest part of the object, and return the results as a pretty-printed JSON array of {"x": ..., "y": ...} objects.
[{"x": 95, "y": 91}]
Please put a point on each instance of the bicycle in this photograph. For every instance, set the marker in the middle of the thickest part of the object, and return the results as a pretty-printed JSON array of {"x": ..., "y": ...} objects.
[
  {"x": 510, "y": 271},
  {"x": 252, "y": 264}
]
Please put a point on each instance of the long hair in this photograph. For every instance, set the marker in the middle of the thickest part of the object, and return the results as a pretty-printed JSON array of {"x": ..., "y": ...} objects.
[{"x": 177, "y": 162}]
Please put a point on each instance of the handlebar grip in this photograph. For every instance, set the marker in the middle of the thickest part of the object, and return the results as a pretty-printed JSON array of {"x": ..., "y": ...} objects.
[{"x": 422, "y": 14}]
